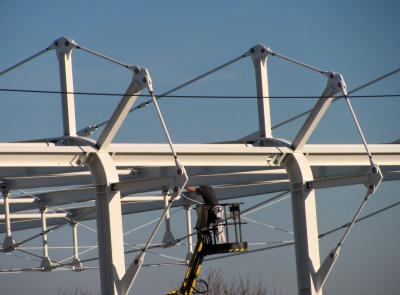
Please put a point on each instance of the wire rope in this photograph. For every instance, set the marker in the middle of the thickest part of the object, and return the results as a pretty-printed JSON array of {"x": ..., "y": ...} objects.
[{"x": 188, "y": 96}]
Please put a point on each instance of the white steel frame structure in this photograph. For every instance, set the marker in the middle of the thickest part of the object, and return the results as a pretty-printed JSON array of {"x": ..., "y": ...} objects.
[{"x": 101, "y": 171}]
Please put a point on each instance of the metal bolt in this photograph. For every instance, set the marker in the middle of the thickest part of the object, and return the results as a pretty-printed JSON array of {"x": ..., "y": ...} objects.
[
  {"x": 136, "y": 70},
  {"x": 339, "y": 84},
  {"x": 371, "y": 187},
  {"x": 179, "y": 171},
  {"x": 114, "y": 187},
  {"x": 144, "y": 80}
]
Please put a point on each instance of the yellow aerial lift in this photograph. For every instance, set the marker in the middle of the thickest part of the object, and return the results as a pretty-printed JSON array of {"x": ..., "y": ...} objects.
[{"x": 223, "y": 235}]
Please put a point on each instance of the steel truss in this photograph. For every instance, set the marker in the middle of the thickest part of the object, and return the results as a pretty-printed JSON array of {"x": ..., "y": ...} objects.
[{"x": 115, "y": 176}]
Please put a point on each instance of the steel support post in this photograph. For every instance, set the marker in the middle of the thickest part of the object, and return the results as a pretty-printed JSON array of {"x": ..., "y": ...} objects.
[
  {"x": 8, "y": 243},
  {"x": 304, "y": 223},
  {"x": 334, "y": 85},
  {"x": 168, "y": 238},
  {"x": 77, "y": 265},
  {"x": 109, "y": 223},
  {"x": 64, "y": 54},
  {"x": 188, "y": 209},
  {"x": 46, "y": 264},
  {"x": 259, "y": 56}
]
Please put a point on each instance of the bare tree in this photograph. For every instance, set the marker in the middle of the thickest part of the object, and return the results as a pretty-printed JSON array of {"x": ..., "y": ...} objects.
[
  {"x": 218, "y": 284},
  {"x": 75, "y": 291}
]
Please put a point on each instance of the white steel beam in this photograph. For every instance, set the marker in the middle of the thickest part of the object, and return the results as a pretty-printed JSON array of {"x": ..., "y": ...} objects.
[
  {"x": 188, "y": 211},
  {"x": 323, "y": 178},
  {"x": 139, "y": 81},
  {"x": 334, "y": 85},
  {"x": 17, "y": 201},
  {"x": 109, "y": 223},
  {"x": 76, "y": 262},
  {"x": 304, "y": 223},
  {"x": 64, "y": 54},
  {"x": 141, "y": 204},
  {"x": 8, "y": 242},
  {"x": 142, "y": 185},
  {"x": 196, "y": 155},
  {"x": 32, "y": 216},
  {"x": 46, "y": 264},
  {"x": 55, "y": 180},
  {"x": 7, "y": 172},
  {"x": 259, "y": 54}
]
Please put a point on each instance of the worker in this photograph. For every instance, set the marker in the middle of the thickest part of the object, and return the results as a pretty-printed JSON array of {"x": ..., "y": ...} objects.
[{"x": 213, "y": 214}]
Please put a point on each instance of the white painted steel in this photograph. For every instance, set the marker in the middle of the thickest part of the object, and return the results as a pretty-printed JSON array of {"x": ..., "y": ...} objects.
[
  {"x": 109, "y": 223},
  {"x": 168, "y": 237},
  {"x": 46, "y": 263},
  {"x": 334, "y": 84},
  {"x": 142, "y": 199},
  {"x": 122, "y": 110},
  {"x": 8, "y": 242},
  {"x": 7, "y": 213},
  {"x": 135, "y": 267},
  {"x": 188, "y": 211},
  {"x": 32, "y": 216},
  {"x": 76, "y": 263},
  {"x": 196, "y": 155},
  {"x": 259, "y": 54},
  {"x": 333, "y": 165},
  {"x": 17, "y": 201},
  {"x": 304, "y": 223},
  {"x": 64, "y": 54},
  {"x": 146, "y": 203}
]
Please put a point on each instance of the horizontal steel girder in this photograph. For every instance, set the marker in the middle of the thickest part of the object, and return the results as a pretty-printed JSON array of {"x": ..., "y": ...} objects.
[
  {"x": 158, "y": 155},
  {"x": 223, "y": 192}
]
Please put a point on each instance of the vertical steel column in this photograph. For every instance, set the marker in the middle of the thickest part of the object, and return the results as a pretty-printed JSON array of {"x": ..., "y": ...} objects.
[
  {"x": 259, "y": 56},
  {"x": 168, "y": 238},
  {"x": 64, "y": 54},
  {"x": 188, "y": 209},
  {"x": 109, "y": 223},
  {"x": 304, "y": 223},
  {"x": 8, "y": 243},
  {"x": 76, "y": 262},
  {"x": 46, "y": 262}
]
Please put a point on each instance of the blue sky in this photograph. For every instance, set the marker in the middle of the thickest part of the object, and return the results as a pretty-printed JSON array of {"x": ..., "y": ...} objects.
[{"x": 178, "y": 40}]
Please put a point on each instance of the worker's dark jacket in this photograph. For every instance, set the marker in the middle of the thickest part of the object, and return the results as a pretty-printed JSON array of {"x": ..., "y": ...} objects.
[{"x": 210, "y": 199}]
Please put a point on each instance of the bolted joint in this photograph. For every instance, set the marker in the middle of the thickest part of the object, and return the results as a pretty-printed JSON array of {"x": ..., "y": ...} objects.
[
  {"x": 9, "y": 244},
  {"x": 77, "y": 265},
  {"x": 3, "y": 188},
  {"x": 87, "y": 131},
  {"x": 165, "y": 190},
  {"x": 174, "y": 192},
  {"x": 46, "y": 264},
  {"x": 141, "y": 77},
  {"x": 138, "y": 259},
  {"x": 307, "y": 186},
  {"x": 63, "y": 45},
  {"x": 335, "y": 84},
  {"x": 259, "y": 52},
  {"x": 114, "y": 187},
  {"x": 374, "y": 178}
]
